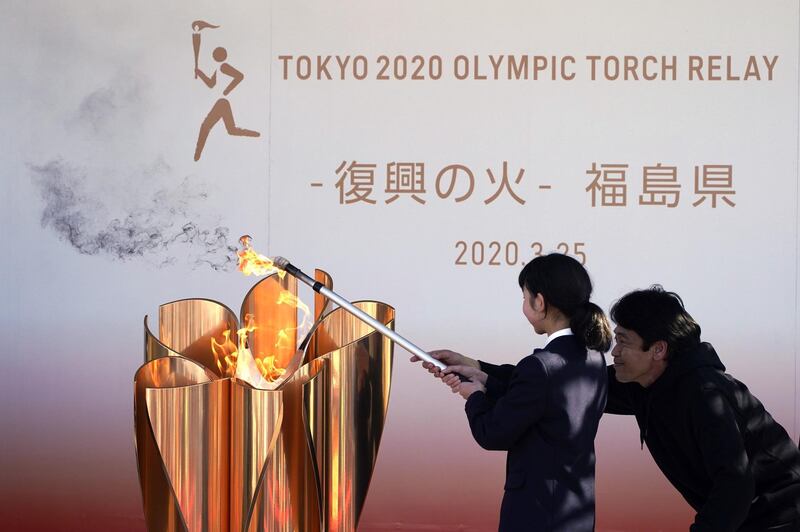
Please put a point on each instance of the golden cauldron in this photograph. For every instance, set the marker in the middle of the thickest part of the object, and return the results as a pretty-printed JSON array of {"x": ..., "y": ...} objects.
[{"x": 217, "y": 454}]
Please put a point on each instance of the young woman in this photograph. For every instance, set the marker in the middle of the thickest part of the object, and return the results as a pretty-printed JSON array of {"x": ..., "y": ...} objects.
[{"x": 545, "y": 410}]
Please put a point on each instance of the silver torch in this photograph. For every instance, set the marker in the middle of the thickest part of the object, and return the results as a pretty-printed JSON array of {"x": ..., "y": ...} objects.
[{"x": 320, "y": 288}]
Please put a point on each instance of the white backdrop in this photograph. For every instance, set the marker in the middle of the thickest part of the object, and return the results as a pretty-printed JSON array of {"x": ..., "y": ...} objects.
[{"x": 101, "y": 116}]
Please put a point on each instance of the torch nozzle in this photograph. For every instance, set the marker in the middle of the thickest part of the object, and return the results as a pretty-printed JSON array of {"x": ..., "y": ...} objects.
[{"x": 281, "y": 262}]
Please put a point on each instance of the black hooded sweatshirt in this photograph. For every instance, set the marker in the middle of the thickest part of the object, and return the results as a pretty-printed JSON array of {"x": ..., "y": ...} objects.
[{"x": 715, "y": 442}]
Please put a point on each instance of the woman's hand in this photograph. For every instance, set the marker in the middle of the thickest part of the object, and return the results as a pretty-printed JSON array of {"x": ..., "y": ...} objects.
[
  {"x": 450, "y": 358},
  {"x": 473, "y": 374},
  {"x": 465, "y": 389},
  {"x": 476, "y": 383}
]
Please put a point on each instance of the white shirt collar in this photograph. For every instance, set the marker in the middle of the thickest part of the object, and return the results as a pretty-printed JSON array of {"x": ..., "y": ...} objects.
[{"x": 558, "y": 333}]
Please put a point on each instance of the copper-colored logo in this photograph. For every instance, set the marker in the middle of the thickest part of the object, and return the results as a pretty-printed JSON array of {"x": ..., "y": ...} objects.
[{"x": 222, "y": 108}]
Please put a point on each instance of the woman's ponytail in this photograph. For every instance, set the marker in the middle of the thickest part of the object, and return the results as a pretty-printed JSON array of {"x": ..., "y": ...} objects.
[{"x": 590, "y": 324}]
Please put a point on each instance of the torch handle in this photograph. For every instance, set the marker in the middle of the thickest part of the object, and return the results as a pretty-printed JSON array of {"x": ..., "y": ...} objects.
[
  {"x": 196, "y": 47},
  {"x": 360, "y": 314}
]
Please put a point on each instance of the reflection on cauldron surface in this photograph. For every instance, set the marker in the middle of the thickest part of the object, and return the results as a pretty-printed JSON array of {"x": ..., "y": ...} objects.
[{"x": 216, "y": 453}]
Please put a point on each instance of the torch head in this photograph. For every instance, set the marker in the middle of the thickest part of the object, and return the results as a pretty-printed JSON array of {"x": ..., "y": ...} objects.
[
  {"x": 280, "y": 262},
  {"x": 284, "y": 264}
]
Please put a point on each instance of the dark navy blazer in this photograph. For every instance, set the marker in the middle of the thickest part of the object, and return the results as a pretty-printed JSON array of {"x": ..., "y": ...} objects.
[{"x": 544, "y": 411}]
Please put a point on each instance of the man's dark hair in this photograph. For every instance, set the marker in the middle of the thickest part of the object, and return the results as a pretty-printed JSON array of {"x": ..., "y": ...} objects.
[{"x": 655, "y": 314}]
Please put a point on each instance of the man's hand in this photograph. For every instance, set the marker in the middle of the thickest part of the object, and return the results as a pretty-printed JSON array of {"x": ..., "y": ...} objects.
[{"x": 450, "y": 358}]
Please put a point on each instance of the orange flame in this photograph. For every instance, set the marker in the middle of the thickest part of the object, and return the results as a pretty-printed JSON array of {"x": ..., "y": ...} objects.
[
  {"x": 249, "y": 326},
  {"x": 288, "y": 298},
  {"x": 265, "y": 365},
  {"x": 253, "y": 263},
  {"x": 239, "y": 362},
  {"x": 225, "y": 354}
]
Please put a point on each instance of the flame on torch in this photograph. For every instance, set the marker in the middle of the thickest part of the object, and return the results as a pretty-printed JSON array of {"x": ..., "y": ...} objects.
[{"x": 253, "y": 263}]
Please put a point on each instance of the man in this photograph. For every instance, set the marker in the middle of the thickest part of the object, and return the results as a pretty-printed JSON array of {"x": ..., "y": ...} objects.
[{"x": 712, "y": 439}]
